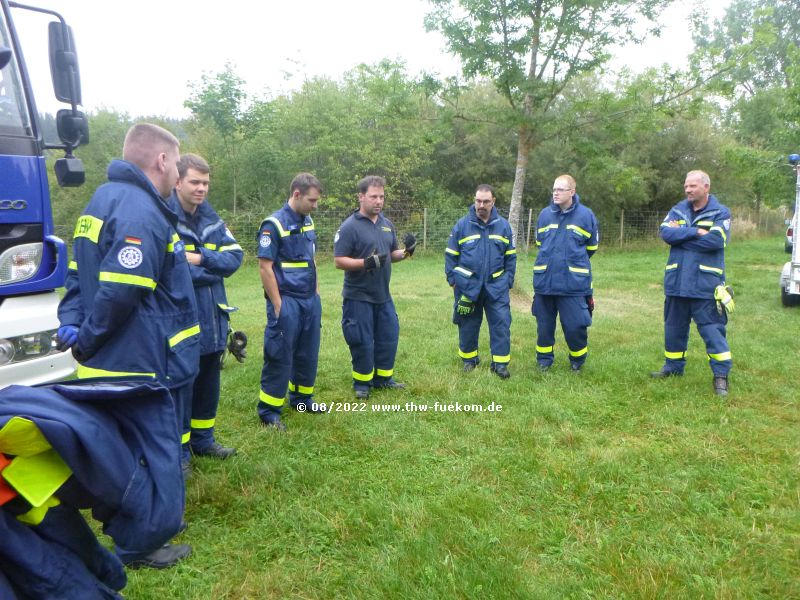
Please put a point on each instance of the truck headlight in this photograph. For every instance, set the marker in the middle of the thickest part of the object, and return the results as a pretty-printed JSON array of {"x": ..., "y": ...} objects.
[
  {"x": 19, "y": 263},
  {"x": 27, "y": 347}
]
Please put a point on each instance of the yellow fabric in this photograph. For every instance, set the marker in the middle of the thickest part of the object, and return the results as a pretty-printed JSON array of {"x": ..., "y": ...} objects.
[
  {"x": 123, "y": 278},
  {"x": 88, "y": 227},
  {"x": 85, "y": 372},
  {"x": 472, "y": 354},
  {"x": 203, "y": 423},
  {"x": 270, "y": 400},
  {"x": 182, "y": 335},
  {"x": 21, "y": 437},
  {"x": 37, "y": 477}
]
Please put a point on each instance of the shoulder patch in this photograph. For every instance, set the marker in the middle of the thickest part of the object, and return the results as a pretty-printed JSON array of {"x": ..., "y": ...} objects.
[
  {"x": 726, "y": 224},
  {"x": 336, "y": 237},
  {"x": 130, "y": 257},
  {"x": 265, "y": 240}
]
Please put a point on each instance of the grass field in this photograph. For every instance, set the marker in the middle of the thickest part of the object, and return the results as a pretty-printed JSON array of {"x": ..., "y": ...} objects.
[{"x": 602, "y": 484}]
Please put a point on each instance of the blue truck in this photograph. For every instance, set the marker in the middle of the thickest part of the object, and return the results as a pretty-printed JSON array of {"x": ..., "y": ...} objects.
[{"x": 33, "y": 260}]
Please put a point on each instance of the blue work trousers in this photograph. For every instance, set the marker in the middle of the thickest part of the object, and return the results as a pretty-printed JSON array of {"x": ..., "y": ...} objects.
[
  {"x": 205, "y": 400},
  {"x": 678, "y": 313},
  {"x": 573, "y": 312},
  {"x": 291, "y": 353},
  {"x": 182, "y": 398},
  {"x": 498, "y": 318},
  {"x": 372, "y": 332}
]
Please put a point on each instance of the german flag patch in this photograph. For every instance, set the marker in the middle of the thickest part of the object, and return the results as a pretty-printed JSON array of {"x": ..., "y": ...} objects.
[{"x": 133, "y": 240}]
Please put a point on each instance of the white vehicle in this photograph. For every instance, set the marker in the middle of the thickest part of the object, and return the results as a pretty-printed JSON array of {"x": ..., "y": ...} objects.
[{"x": 790, "y": 275}]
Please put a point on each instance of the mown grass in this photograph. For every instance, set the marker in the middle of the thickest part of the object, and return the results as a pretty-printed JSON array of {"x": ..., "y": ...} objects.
[{"x": 604, "y": 484}]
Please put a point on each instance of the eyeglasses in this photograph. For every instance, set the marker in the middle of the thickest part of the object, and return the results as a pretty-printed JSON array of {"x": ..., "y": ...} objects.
[{"x": 559, "y": 190}]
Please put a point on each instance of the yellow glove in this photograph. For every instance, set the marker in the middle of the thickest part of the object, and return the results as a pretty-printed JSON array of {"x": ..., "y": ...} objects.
[{"x": 723, "y": 294}]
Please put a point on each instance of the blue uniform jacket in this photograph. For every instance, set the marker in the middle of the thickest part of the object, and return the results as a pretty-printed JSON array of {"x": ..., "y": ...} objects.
[
  {"x": 481, "y": 255},
  {"x": 288, "y": 239},
  {"x": 566, "y": 240},
  {"x": 222, "y": 256},
  {"x": 696, "y": 264},
  {"x": 128, "y": 286},
  {"x": 120, "y": 442}
]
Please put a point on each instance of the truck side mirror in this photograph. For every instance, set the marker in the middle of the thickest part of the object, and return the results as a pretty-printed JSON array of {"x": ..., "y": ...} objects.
[
  {"x": 64, "y": 64},
  {"x": 5, "y": 56},
  {"x": 73, "y": 127},
  {"x": 69, "y": 172}
]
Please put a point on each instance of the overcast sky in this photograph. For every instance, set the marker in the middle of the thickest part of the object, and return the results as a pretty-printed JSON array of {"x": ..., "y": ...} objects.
[{"x": 138, "y": 57}]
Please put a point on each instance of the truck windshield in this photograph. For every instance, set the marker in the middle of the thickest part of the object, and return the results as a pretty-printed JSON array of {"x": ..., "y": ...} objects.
[{"x": 14, "y": 118}]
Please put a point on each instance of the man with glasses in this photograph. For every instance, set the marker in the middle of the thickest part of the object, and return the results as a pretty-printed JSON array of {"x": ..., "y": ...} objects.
[
  {"x": 566, "y": 236},
  {"x": 480, "y": 262}
]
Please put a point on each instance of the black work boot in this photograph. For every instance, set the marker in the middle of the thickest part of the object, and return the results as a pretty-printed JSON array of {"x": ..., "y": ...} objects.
[
  {"x": 665, "y": 373},
  {"x": 167, "y": 556},
  {"x": 721, "y": 385},
  {"x": 501, "y": 370}
]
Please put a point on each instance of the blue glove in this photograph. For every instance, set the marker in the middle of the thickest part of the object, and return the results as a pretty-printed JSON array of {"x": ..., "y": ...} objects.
[{"x": 66, "y": 337}]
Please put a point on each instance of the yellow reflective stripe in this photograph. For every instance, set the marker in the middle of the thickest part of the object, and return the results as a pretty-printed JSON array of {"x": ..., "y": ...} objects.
[
  {"x": 72, "y": 265},
  {"x": 301, "y": 389},
  {"x": 501, "y": 359},
  {"x": 307, "y": 228},
  {"x": 592, "y": 247},
  {"x": 88, "y": 227},
  {"x": 186, "y": 437},
  {"x": 581, "y": 352},
  {"x": 281, "y": 231},
  {"x": 675, "y": 355},
  {"x": 468, "y": 238},
  {"x": 539, "y": 267},
  {"x": 270, "y": 400},
  {"x": 704, "y": 223},
  {"x": 171, "y": 245},
  {"x": 189, "y": 247},
  {"x": 294, "y": 265},
  {"x": 577, "y": 229},
  {"x": 451, "y": 251},
  {"x": 578, "y": 270},
  {"x": 721, "y": 232},
  {"x": 710, "y": 269},
  {"x": 36, "y": 514},
  {"x": 681, "y": 222},
  {"x": 384, "y": 372},
  {"x": 202, "y": 423},
  {"x": 226, "y": 308},
  {"x": 182, "y": 335},
  {"x": 230, "y": 247},
  {"x": 292, "y": 387},
  {"x": 720, "y": 356},
  {"x": 472, "y": 354},
  {"x": 499, "y": 237},
  {"x": 210, "y": 246},
  {"x": 496, "y": 275},
  {"x": 538, "y": 243},
  {"x": 670, "y": 267},
  {"x": 512, "y": 251},
  {"x": 463, "y": 271},
  {"x": 123, "y": 278},
  {"x": 85, "y": 372},
  {"x": 362, "y": 376},
  {"x": 547, "y": 227},
  {"x": 544, "y": 349}
]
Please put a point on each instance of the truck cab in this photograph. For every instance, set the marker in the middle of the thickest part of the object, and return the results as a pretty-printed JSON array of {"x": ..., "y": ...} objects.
[{"x": 33, "y": 260}]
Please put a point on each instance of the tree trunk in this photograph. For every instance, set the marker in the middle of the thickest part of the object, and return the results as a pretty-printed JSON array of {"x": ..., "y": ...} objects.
[{"x": 515, "y": 211}]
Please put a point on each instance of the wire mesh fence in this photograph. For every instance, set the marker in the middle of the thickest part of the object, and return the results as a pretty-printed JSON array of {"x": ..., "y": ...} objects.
[{"x": 432, "y": 226}]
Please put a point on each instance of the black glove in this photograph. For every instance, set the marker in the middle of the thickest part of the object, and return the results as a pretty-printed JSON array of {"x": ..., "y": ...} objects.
[
  {"x": 376, "y": 261},
  {"x": 590, "y": 304},
  {"x": 465, "y": 306},
  {"x": 237, "y": 345},
  {"x": 410, "y": 242}
]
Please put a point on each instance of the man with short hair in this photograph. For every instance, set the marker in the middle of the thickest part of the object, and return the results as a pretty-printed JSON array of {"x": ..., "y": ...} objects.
[
  {"x": 129, "y": 309},
  {"x": 365, "y": 248},
  {"x": 567, "y": 236},
  {"x": 286, "y": 251},
  {"x": 480, "y": 263},
  {"x": 697, "y": 231},
  {"x": 213, "y": 255}
]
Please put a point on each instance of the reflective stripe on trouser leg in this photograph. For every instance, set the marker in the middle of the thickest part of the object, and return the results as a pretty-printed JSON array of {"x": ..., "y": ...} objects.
[
  {"x": 575, "y": 320},
  {"x": 306, "y": 352},
  {"x": 387, "y": 334},
  {"x": 711, "y": 327},
  {"x": 677, "y": 316},
  {"x": 182, "y": 398},
  {"x": 205, "y": 399},
  {"x": 358, "y": 329},
  {"x": 469, "y": 327},
  {"x": 498, "y": 318},
  {"x": 279, "y": 335},
  {"x": 544, "y": 309}
]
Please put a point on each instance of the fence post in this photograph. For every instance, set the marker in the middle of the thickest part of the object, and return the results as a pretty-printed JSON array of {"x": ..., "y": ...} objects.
[
  {"x": 621, "y": 227},
  {"x": 425, "y": 228},
  {"x": 528, "y": 238}
]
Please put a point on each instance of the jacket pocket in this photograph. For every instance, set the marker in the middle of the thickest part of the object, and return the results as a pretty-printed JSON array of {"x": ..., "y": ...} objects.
[
  {"x": 579, "y": 279},
  {"x": 352, "y": 332},
  {"x": 671, "y": 276},
  {"x": 183, "y": 354}
]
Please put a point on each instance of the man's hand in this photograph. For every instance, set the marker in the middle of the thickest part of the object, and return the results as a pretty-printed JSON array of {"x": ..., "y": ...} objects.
[
  {"x": 376, "y": 261},
  {"x": 410, "y": 243},
  {"x": 194, "y": 258},
  {"x": 465, "y": 306},
  {"x": 723, "y": 294},
  {"x": 66, "y": 337},
  {"x": 590, "y": 304}
]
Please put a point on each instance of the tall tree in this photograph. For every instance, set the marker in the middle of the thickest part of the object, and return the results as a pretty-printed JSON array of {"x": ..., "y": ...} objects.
[{"x": 531, "y": 49}]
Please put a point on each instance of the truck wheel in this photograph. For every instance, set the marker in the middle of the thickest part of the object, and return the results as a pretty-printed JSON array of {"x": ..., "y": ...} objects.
[{"x": 789, "y": 299}]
